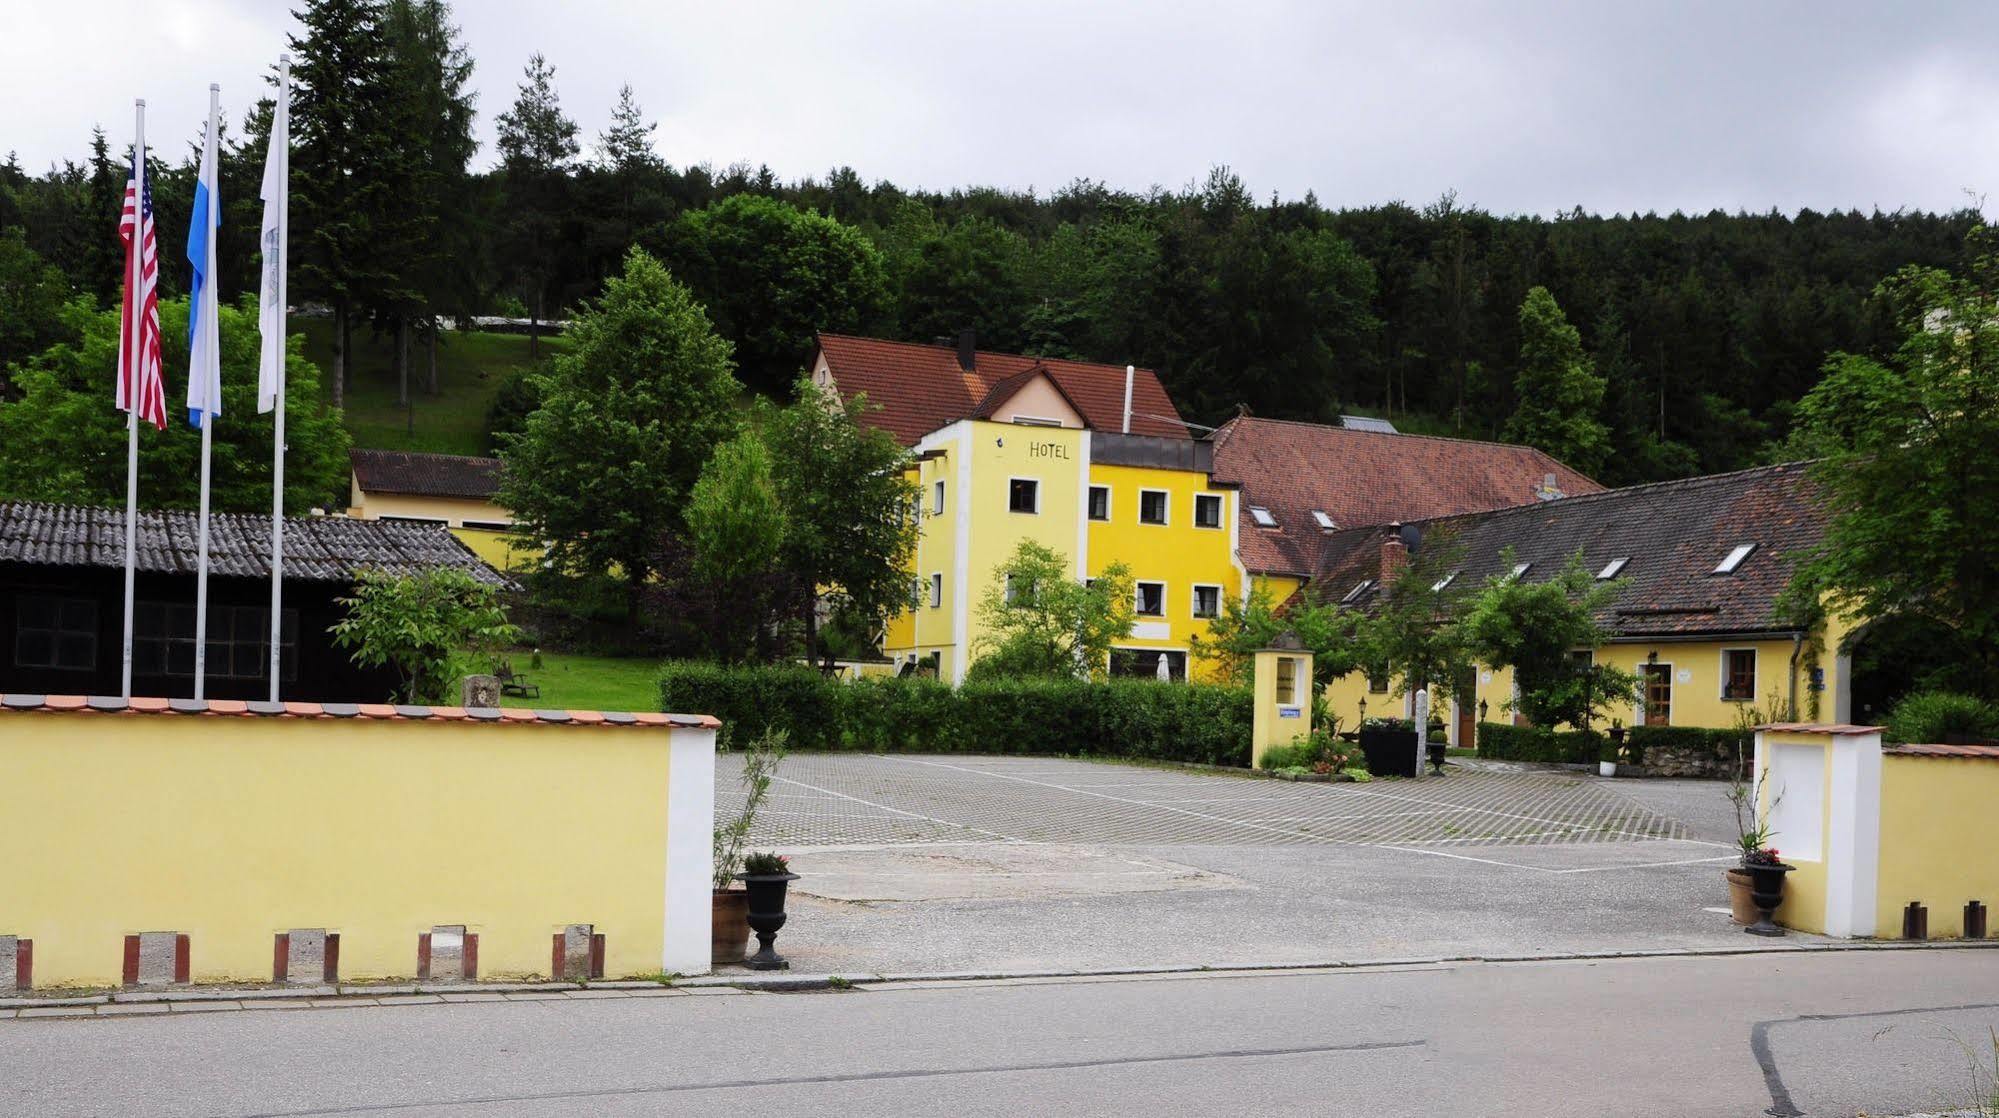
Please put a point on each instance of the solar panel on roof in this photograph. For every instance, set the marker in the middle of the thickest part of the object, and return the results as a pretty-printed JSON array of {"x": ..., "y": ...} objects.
[{"x": 1368, "y": 423}]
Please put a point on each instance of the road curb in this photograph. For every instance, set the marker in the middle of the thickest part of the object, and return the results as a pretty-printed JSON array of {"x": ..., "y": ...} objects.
[{"x": 361, "y": 995}]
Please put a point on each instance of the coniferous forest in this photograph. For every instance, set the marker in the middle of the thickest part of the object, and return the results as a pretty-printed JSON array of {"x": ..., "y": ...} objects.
[{"x": 1704, "y": 329}]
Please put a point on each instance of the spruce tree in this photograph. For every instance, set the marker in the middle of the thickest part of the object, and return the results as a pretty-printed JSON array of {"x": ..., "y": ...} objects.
[
  {"x": 1558, "y": 391},
  {"x": 537, "y": 147}
]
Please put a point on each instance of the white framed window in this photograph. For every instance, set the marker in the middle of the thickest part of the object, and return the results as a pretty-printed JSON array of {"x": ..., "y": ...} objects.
[
  {"x": 1035, "y": 421},
  {"x": 1518, "y": 570},
  {"x": 1207, "y": 510},
  {"x": 1728, "y": 566},
  {"x": 1444, "y": 581},
  {"x": 1262, "y": 517},
  {"x": 936, "y": 589},
  {"x": 1100, "y": 502},
  {"x": 489, "y": 525},
  {"x": 937, "y": 498},
  {"x": 1153, "y": 505},
  {"x": 1023, "y": 494},
  {"x": 1325, "y": 522},
  {"x": 1207, "y": 600},
  {"x": 1613, "y": 568},
  {"x": 1738, "y": 675},
  {"x": 1359, "y": 588},
  {"x": 1151, "y": 599}
]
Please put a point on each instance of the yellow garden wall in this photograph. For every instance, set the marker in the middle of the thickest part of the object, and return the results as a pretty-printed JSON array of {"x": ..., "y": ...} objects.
[
  {"x": 1936, "y": 839},
  {"x": 232, "y": 828}
]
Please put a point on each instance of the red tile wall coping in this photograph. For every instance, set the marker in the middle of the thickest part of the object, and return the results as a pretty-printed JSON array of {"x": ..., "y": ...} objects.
[
  {"x": 1837, "y": 729},
  {"x": 225, "y": 708},
  {"x": 1990, "y": 752}
]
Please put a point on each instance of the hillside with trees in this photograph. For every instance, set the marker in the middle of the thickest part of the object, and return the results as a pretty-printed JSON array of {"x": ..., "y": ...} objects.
[{"x": 1689, "y": 337}]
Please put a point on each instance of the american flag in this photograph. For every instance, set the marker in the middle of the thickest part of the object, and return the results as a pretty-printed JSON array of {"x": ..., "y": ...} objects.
[{"x": 139, "y": 319}]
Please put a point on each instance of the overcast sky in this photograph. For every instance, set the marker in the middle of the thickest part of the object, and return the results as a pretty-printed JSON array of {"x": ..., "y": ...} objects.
[{"x": 1615, "y": 106}]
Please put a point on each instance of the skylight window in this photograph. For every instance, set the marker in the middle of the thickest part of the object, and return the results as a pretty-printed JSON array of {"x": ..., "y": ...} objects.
[
  {"x": 1735, "y": 559},
  {"x": 1361, "y": 587},
  {"x": 1519, "y": 569},
  {"x": 1262, "y": 517},
  {"x": 1325, "y": 521},
  {"x": 1444, "y": 581},
  {"x": 1613, "y": 568}
]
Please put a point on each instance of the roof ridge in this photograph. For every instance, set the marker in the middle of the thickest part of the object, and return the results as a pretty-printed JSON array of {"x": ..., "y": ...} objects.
[
  {"x": 1410, "y": 435},
  {"x": 1640, "y": 488},
  {"x": 953, "y": 349},
  {"x": 353, "y": 450}
]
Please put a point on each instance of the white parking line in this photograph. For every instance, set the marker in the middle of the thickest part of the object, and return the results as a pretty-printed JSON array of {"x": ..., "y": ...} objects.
[{"x": 897, "y": 810}]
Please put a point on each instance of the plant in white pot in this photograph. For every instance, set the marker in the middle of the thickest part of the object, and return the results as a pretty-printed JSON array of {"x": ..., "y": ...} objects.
[{"x": 730, "y": 917}]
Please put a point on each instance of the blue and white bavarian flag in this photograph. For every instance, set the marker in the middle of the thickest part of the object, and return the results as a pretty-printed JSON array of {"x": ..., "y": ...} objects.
[{"x": 204, "y": 365}]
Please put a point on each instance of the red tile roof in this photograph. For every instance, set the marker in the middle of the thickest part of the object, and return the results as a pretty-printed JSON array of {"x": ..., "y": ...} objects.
[
  {"x": 1988, "y": 752},
  {"x": 1363, "y": 478},
  {"x": 920, "y": 388}
]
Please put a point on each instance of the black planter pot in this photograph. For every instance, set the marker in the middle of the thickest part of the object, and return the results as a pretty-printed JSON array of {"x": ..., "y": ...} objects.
[
  {"x": 1766, "y": 890},
  {"x": 1390, "y": 752},
  {"x": 766, "y": 892}
]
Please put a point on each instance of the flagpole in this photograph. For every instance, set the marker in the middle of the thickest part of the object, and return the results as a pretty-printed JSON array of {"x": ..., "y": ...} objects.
[
  {"x": 281, "y": 120},
  {"x": 134, "y": 346},
  {"x": 207, "y": 430}
]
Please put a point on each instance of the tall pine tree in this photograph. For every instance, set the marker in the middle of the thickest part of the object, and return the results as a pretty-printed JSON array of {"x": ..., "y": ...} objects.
[
  {"x": 537, "y": 148},
  {"x": 1559, "y": 393}
]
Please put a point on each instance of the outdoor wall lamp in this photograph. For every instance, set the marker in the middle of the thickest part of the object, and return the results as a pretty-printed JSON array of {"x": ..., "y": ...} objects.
[
  {"x": 1652, "y": 657},
  {"x": 1363, "y": 709},
  {"x": 1481, "y": 710}
]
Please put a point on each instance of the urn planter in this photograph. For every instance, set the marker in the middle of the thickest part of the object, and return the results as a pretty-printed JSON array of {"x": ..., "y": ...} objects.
[
  {"x": 766, "y": 892},
  {"x": 730, "y": 927},
  {"x": 1766, "y": 891}
]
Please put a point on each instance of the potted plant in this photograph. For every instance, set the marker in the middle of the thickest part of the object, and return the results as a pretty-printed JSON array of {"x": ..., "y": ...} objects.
[
  {"x": 1606, "y": 759},
  {"x": 1756, "y": 887},
  {"x": 730, "y": 912},
  {"x": 1389, "y": 744},
  {"x": 766, "y": 878}
]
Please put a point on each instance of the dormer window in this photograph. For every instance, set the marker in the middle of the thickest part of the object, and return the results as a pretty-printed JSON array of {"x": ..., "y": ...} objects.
[
  {"x": 1735, "y": 558},
  {"x": 1262, "y": 517},
  {"x": 1325, "y": 522},
  {"x": 1613, "y": 568}
]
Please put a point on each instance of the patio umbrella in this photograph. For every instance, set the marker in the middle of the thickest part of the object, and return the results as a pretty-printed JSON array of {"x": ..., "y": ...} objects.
[{"x": 1165, "y": 672}]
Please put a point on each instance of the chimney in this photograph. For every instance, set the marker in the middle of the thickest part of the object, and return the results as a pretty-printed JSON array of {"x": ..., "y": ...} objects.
[
  {"x": 1394, "y": 556},
  {"x": 968, "y": 349},
  {"x": 1130, "y": 371}
]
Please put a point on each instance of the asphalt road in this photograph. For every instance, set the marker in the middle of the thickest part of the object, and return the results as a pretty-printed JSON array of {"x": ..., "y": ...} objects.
[{"x": 1832, "y": 1033}]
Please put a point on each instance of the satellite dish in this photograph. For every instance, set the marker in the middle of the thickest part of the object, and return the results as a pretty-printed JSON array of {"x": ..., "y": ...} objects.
[{"x": 1412, "y": 537}]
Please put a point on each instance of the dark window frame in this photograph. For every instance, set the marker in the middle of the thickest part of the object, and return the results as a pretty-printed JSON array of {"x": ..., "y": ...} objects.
[
  {"x": 61, "y": 634},
  {"x": 1210, "y": 500},
  {"x": 1014, "y": 489},
  {"x": 1093, "y": 511}
]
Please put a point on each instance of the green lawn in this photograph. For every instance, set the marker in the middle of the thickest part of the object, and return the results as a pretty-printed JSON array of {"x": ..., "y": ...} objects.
[
  {"x": 574, "y": 682},
  {"x": 470, "y": 367}
]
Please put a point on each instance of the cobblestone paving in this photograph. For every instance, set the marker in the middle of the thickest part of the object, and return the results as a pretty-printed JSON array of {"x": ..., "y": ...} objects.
[{"x": 858, "y": 799}]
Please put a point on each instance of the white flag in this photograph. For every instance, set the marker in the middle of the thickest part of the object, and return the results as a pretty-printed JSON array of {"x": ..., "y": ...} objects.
[
  {"x": 204, "y": 365},
  {"x": 270, "y": 298}
]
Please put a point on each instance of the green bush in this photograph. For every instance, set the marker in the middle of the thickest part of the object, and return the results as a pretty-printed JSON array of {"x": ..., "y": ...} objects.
[
  {"x": 1505, "y": 742},
  {"x": 1930, "y": 717},
  {"x": 1122, "y": 718}
]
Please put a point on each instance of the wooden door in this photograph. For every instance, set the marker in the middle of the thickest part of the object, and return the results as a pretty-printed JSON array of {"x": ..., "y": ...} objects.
[{"x": 1658, "y": 694}]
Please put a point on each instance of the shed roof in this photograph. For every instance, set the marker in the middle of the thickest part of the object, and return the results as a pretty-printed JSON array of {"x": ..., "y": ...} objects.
[
  {"x": 425, "y": 475},
  {"x": 316, "y": 549}
]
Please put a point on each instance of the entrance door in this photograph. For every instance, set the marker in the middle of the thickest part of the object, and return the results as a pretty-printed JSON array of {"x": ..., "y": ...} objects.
[{"x": 1658, "y": 694}]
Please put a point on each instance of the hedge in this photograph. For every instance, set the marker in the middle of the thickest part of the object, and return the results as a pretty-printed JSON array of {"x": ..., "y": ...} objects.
[
  {"x": 1506, "y": 742},
  {"x": 1120, "y": 718}
]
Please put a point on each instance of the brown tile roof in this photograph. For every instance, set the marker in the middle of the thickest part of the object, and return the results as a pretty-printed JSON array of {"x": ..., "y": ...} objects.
[
  {"x": 234, "y": 708},
  {"x": 1831, "y": 729},
  {"x": 425, "y": 475},
  {"x": 920, "y": 388},
  {"x": 1673, "y": 533},
  {"x": 1364, "y": 478},
  {"x": 317, "y": 549}
]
